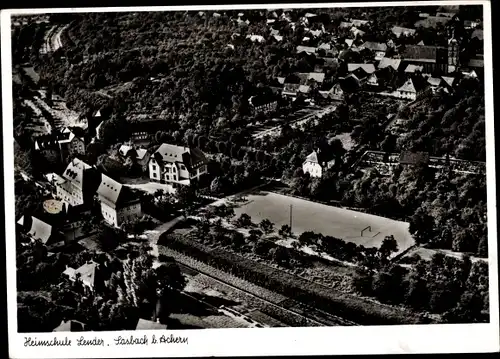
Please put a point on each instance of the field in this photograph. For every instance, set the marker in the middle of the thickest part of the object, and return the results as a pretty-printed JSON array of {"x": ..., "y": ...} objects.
[{"x": 320, "y": 218}]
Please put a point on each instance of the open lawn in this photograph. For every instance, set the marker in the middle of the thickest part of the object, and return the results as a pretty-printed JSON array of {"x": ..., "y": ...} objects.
[{"x": 320, "y": 218}]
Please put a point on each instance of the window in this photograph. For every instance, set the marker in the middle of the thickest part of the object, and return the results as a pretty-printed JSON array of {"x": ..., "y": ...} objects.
[
  {"x": 154, "y": 175},
  {"x": 154, "y": 167}
]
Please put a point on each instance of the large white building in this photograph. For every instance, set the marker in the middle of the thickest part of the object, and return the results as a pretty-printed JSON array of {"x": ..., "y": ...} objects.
[
  {"x": 77, "y": 184},
  {"x": 118, "y": 203},
  {"x": 315, "y": 164},
  {"x": 177, "y": 165}
]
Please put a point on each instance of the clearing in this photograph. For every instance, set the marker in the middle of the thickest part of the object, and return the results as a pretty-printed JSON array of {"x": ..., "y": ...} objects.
[{"x": 337, "y": 222}]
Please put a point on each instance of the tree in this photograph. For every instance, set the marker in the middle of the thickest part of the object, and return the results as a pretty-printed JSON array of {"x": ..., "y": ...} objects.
[
  {"x": 281, "y": 256},
  {"x": 482, "y": 249},
  {"x": 362, "y": 281},
  {"x": 285, "y": 231},
  {"x": 237, "y": 239},
  {"x": 262, "y": 248},
  {"x": 169, "y": 277},
  {"x": 244, "y": 220},
  {"x": 421, "y": 226},
  {"x": 266, "y": 225},
  {"x": 389, "y": 246},
  {"x": 216, "y": 186},
  {"x": 224, "y": 211},
  {"x": 187, "y": 199}
]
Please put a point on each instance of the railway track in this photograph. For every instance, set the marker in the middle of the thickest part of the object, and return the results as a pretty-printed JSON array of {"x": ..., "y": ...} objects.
[
  {"x": 320, "y": 318},
  {"x": 267, "y": 302}
]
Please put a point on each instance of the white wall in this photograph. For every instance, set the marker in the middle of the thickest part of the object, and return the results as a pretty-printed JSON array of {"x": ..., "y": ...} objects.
[
  {"x": 313, "y": 169},
  {"x": 154, "y": 170},
  {"x": 109, "y": 214}
]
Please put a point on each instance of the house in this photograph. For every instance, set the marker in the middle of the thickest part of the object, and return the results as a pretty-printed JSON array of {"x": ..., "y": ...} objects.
[
  {"x": 357, "y": 32},
  {"x": 144, "y": 324},
  {"x": 411, "y": 69},
  {"x": 346, "y": 25},
  {"x": 37, "y": 229},
  {"x": 434, "y": 83},
  {"x": 432, "y": 22},
  {"x": 398, "y": 31},
  {"x": 448, "y": 81},
  {"x": 98, "y": 131},
  {"x": 77, "y": 184},
  {"x": 414, "y": 158},
  {"x": 359, "y": 23},
  {"x": 89, "y": 274},
  {"x": 278, "y": 38},
  {"x": 432, "y": 58},
  {"x": 336, "y": 93},
  {"x": 476, "y": 64},
  {"x": 387, "y": 62},
  {"x": 311, "y": 77},
  {"x": 361, "y": 70},
  {"x": 118, "y": 202},
  {"x": 304, "y": 89},
  {"x": 469, "y": 24},
  {"x": 256, "y": 38},
  {"x": 71, "y": 144},
  {"x": 139, "y": 155},
  {"x": 316, "y": 163},
  {"x": 263, "y": 104},
  {"x": 408, "y": 91},
  {"x": 177, "y": 165},
  {"x": 372, "y": 80},
  {"x": 470, "y": 74},
  {"x": 290, "y": 89},
  {"x": 143, "y": 130},
  {"x": 70, "y": 326},
  {"x": 449, "y": 15},
  {"x": 306, "y": 49},
  {"x": 378, "y": 48}
]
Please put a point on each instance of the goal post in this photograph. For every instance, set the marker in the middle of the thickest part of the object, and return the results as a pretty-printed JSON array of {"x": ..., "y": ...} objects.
[{"x": 369, "y": 228}]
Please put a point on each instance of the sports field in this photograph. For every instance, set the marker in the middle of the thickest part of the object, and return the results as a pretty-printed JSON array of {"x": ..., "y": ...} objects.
[{"x": 320, "y": 218}]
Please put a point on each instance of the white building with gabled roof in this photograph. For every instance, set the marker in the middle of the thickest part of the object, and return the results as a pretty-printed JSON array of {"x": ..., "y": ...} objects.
[
  {"x": 118, "y": 202},
  {"x": 77, "y": 184},
  {"x": 316, "y": 163},
  {"x": 177, "y": 165}
]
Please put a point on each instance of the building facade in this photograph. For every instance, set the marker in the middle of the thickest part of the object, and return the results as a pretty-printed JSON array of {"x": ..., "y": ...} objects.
[
  {"x": 177, "y": 165},
  {"x": 315, "y": 164},
  {"x": 118, "y": 203}
]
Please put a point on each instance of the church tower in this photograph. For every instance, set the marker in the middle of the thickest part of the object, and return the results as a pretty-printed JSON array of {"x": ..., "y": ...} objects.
[{"x": 453, "y": 53}]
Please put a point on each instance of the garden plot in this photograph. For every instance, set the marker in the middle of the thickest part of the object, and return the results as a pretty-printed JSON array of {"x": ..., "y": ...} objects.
[{"x": 351, "y": 226}]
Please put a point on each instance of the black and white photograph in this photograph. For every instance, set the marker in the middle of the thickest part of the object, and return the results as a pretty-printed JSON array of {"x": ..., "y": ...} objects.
[{"x": 248, "y": 167}]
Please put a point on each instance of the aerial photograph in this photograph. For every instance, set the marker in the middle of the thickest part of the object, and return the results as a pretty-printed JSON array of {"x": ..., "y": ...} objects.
[{"x": 259, "y": 168}]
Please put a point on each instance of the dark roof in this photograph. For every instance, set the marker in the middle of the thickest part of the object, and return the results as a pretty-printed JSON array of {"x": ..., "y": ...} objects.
[
  {"x": 261, "y": 100},
  {"x": 413, "y": 158},
  {"x": 375, "y": 46},
  {"x": 476, "y": 63},
  {"x": 319, "y": 157},
  {"x": 478, "y": 33},
  {"x": 147, "y": 125},
  {"x": 420, "y": 53},
  {"x": 190, "y": 157},
  {"x": 113, "y": 193},
  {"x": 432, "y": 21}
]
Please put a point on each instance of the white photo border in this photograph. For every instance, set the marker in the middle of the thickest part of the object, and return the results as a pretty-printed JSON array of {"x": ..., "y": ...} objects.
[{"x": 447, "y": 338}]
